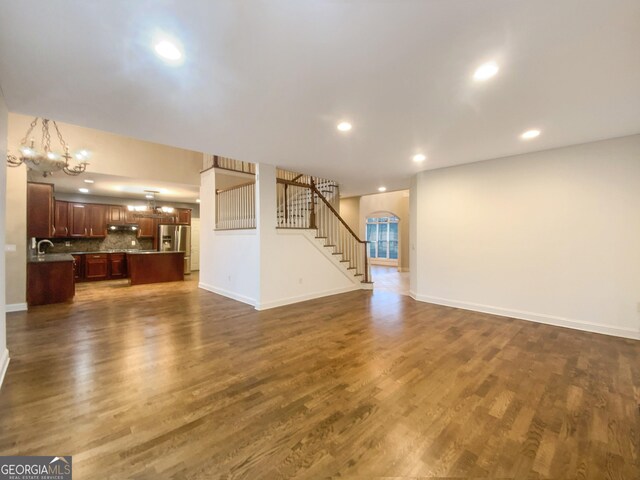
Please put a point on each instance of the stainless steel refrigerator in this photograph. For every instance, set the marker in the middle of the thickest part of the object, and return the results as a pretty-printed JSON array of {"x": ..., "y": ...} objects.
[{"x": 176, "y": 238}]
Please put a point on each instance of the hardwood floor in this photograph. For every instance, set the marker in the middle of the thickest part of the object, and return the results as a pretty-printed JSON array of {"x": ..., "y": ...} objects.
[
  {"x": 390, "y": 279},
  {"x": 168, "y": 381}
]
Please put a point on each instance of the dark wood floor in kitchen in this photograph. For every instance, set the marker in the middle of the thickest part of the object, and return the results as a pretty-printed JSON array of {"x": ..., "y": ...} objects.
[{"x": 169, "y": 381}]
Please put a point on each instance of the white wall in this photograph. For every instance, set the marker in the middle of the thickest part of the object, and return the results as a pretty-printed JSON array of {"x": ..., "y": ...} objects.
[
  {"x": 293, "y": 265},
  {"x": 551, "y": 236},
  {"x": 4, "y": 352},
  {"x": 229, "y": 262}
]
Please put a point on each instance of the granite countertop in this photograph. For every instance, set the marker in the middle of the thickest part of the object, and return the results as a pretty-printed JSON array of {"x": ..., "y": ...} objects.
[
  {"x": 50, "y": 257},
  {"x": 123, "y": 250},
  {"x": 152, "y": 252}
]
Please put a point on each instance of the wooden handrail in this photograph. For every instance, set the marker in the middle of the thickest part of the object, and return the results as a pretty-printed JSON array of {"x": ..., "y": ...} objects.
[
  {"x": 222, "y": 190},
  {"x": 325, "y": 201}
]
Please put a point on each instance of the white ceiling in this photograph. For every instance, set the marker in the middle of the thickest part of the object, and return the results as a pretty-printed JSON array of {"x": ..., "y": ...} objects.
[
  {"x": 121, "y": 187},
  {"x": 267, "y": 81}
]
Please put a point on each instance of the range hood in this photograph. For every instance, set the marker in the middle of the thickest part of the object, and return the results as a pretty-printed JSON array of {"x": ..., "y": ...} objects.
[{"x": 122, "y": 228}]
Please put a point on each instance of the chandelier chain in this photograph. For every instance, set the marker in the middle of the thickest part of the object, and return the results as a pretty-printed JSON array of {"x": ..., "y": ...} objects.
[
  {"x": 62, "y": 142},
  {"x": 46, "y": 136},
  {"x": 31, "y": 127}
]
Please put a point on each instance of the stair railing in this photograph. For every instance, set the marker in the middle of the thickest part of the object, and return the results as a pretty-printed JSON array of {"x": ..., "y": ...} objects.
[
  {"x": 236, "y": 207},
  {"x": 305, "y": 206}
]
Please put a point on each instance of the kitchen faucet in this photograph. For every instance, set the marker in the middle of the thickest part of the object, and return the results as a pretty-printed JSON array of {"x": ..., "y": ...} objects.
[{"x": 40, "y": 243}]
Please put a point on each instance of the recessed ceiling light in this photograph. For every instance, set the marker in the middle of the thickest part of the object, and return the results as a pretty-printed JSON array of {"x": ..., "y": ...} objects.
[
  {"x": 382, "y": 189},
  {"x": 486, "y": 71},
  {"x": 83, "y": 190},
  {"x": 344, "y": 126},
  {"x": 86, "y": 180},
  {"x": 419, "y": 157},
  {"x": 168, "y": 50},
  {"x": 529, "y": 134}
]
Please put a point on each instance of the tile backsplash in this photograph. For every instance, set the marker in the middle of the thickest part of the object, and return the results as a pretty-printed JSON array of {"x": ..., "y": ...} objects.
[{"x": 113, "y": 241}]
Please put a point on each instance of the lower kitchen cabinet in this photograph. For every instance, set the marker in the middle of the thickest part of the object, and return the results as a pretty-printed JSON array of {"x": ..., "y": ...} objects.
[
  {"x": 78, "y": 267},
  {"x": 117, "y": 265},
  {"x": 96, "y": 266}
]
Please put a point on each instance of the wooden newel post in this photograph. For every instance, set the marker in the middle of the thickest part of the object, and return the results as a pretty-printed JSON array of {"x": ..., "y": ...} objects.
[
  {"x": 215, "y": 161},
  {"x": 366, "y": 261},
  {"x": 312, "y": 213}
]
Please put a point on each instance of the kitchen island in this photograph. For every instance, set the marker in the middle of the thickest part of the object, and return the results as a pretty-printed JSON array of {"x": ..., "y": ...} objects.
[
  {"x": 155, "y": 267},
  {"x": 50, "y": 279}
]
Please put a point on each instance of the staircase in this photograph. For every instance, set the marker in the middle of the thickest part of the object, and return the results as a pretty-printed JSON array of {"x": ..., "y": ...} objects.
[{"x": 311, "y": 203}]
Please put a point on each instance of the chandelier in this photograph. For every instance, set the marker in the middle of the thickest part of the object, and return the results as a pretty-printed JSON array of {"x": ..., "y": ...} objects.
[
  {"x": 45, "y": 160},
  {"x": 150, "y": 210}
]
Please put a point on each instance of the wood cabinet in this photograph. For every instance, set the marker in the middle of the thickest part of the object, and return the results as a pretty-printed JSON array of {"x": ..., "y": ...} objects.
[
  {"x": 39, "y": 210},
  {"x": 77, "y": 220},
  {"x": 97, "y": 220},
  {"x": 116, "y": 214},
  {"x": 61, "y": 219},
  {"x": 183, "y": 216},
  {"x": 117, "y": 265},
  {"x": 148, "y": 227},
  {"x": 50, "y": 282},
  {"x": 78, "y": 267},
  {"x": 96, "y": 266}
]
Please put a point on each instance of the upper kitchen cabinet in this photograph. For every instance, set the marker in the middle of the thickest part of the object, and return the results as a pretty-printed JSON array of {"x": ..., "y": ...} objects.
[
  {"x": 183, "y": 216},
  {"x": 77, "y": 220},
  {"x": 116, "y": 215},
  {"x": 97, "y": 220},
  {"x": 61, "y": 219},
  {"x": 147, "y": 226},
  {"x": 39, "y": 210}
]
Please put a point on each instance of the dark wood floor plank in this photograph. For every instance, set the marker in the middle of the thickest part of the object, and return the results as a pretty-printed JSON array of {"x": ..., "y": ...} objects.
[{"x": 169, "y": 381}]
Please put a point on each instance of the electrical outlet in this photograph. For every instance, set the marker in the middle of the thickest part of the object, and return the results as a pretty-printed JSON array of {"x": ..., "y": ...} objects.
[
  {"x": 133, "y": 242},
  {"x": 67, "y": 244}
]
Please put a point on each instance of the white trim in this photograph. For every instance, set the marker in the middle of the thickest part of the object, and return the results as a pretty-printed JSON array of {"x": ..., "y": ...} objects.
[
  {"x": 242, "y": 232},
  {"x": 532, "y": 317},
  {"x": 226, "y": 293},
  {"x": 305, "y": 297},
  {"x": 4, "y": 365},
  {"x": 15, "y": 307}
]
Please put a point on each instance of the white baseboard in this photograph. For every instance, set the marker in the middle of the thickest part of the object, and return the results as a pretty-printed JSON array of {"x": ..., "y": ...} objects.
[
  {"x": 305, "y": 297},
  {"x": 532, "y": 317},
  {"x": 15, "y": 307},
  {"x": 4, "y": 364},
  {"x": 227, "y": 293}
]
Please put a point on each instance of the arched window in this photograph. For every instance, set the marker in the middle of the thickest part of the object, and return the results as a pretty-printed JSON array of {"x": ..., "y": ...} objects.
[{"x": 382, "y": 232}]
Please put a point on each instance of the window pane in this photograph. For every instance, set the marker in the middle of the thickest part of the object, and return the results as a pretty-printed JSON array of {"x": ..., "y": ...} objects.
[
  {"x": 393, "y": 241},
  {"x": 372, "y": 236},
  {"x": 382, "y": 240}
]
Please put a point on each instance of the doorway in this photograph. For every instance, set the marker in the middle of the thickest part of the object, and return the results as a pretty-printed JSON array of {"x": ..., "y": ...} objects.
[{"x": 383, "y": 234}]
